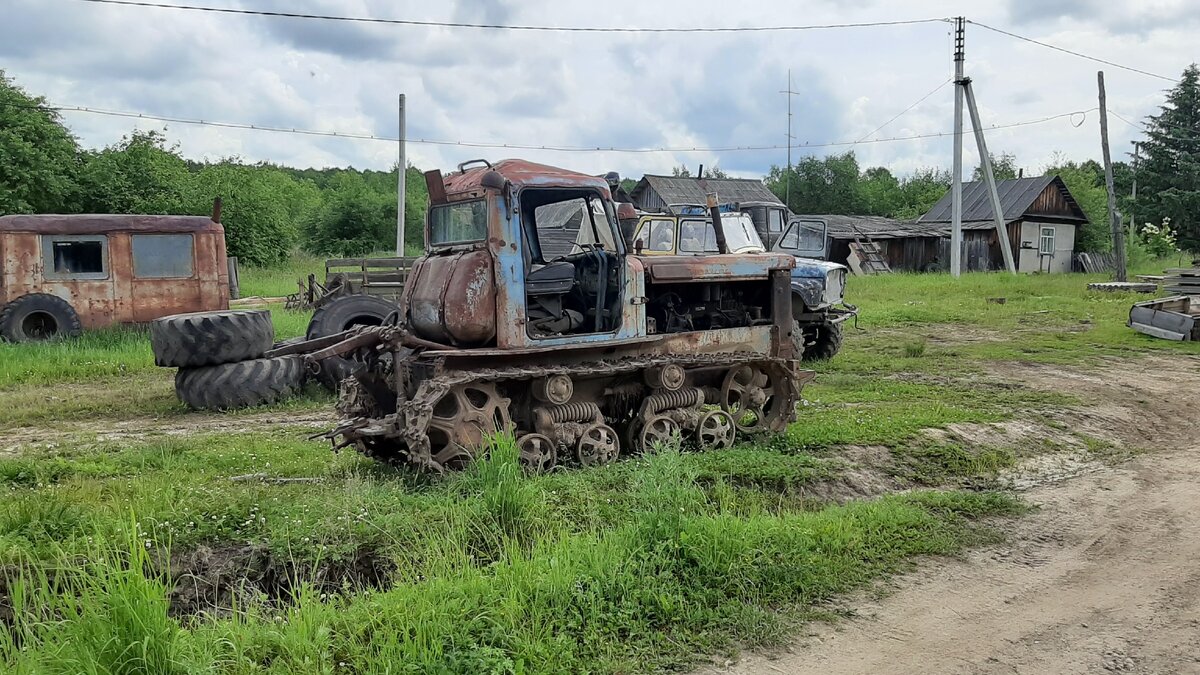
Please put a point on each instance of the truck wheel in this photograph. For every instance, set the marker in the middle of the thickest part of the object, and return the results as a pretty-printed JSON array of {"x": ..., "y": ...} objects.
[
  {"x": 339, "y": 315},
  {"x": 211, "y": 338},
  {"x": 798, "y": 341},
  {"x": 824, "y": 341},
  {"x": 38, "y": 316},
  {"x": 240, "y": 385}
]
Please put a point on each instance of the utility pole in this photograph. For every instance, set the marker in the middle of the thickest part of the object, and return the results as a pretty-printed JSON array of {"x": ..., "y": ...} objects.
[
  {"x": 788, "y": 175},
  {"x": 956, "y": 176},
  {"x": 401, "y": 171},
  {"x": 1137, "y": 149},
  {"x": 985, "y": 161},
  {"x": 1114, "y": 218}
]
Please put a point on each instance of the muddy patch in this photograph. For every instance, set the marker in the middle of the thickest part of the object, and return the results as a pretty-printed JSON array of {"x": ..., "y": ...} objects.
[
  {"x": 215, "y": 579},
  {"x": 861, "y": 472},
  {"x": 1144, "y": 402}
]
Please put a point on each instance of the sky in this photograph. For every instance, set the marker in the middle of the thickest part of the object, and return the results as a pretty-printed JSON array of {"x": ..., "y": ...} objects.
[{"x": 645, "y": 90}]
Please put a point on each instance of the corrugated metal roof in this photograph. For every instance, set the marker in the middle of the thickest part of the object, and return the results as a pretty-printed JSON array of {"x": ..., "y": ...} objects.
[
  {"x": 1016, "y": 196},
  {"x": 878, "y": 227},
  {"x": 680, "y": 190}
]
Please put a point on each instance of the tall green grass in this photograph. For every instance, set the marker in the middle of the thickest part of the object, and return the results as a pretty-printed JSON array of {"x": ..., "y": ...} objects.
[{"x": 500, "y": 583}]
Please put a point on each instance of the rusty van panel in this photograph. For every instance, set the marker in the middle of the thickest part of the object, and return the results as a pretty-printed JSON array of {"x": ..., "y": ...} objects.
[{"x": 118, "y": 296}]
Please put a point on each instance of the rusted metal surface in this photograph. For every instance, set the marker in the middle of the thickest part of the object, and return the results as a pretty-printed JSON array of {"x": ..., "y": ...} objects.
[
  {"x": 718, "y": 267},
  {"x": 521, "y": 173},
  {"x": 117, "y": 294},
  {"x": 106, "y": 223},
  {"x": 455, "y": 302}
]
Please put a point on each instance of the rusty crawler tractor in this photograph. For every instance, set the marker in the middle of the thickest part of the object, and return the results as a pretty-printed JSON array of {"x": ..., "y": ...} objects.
[{"x": 527, "y": 314}]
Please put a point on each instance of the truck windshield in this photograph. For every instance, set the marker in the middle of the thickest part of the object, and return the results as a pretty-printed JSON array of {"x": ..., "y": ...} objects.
[
  {"x": 458, "y": 223},
  {"x": 698, "y": 236},
  {"x": 804, "y": 235}
]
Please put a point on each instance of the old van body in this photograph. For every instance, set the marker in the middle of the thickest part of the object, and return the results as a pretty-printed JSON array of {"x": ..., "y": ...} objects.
[{"x": 63, "y": 273}]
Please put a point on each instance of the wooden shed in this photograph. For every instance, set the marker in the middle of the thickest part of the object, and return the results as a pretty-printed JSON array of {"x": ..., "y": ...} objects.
[{"x": 1040, "y": 214}]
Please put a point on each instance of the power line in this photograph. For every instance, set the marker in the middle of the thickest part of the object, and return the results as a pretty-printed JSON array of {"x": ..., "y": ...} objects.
[
  {"x": 495, "y": 26},
  {"x": 517, "y": 146},
  {"x": 902, "y": 112},
  {"x": 1144, "y": 129},
  {"x": 1072, "y": 53}
]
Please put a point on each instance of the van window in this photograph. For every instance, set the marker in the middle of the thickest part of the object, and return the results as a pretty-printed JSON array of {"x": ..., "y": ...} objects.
[
  {"x": 163, "y": 256},
  {"x": 75, "y": 256}
]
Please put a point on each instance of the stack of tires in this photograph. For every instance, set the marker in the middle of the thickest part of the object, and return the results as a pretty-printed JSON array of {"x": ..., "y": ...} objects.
[{"x": 220, "y": 359}]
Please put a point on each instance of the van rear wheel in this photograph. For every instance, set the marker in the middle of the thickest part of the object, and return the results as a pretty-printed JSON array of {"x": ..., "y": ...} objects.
[{"x": 38, "y": 316}]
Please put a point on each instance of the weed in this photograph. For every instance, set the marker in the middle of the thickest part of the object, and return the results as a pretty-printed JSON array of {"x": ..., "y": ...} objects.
[{"x": 914, "y": 349}]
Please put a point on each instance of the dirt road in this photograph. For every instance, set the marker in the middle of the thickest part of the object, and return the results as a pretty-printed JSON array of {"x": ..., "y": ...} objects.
[{"x": 1104, "y": 577}]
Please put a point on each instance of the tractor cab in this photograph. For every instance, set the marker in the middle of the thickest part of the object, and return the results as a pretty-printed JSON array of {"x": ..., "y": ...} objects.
[
  {"x": 519, "y": 255},
  {"x": 522, "y": 256},
  {"x": 687, "y": 229}
]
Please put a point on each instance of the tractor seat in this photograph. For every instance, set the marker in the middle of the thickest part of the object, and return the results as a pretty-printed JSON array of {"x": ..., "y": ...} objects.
[{"x": 554, "y": 278}]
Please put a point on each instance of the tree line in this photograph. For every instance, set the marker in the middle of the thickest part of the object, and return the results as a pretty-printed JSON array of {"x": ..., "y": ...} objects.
[{"x": 268, "y": 210}]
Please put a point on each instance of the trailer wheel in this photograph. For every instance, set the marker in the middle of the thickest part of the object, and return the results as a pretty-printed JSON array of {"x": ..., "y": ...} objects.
[
  {"x": 339, "y": 315},
  {"x": 211, "y": 338},
  {"x": 822, "y": 341},
  {"x": 240, "y": 385},
  {"x": 38, "y": 316}
]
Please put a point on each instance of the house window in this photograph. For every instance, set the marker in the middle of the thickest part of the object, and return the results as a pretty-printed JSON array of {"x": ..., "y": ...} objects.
[
  {"x": 75, "y": 256},
  {"x": 1047, "y": 241},
  {"x": 163, "y": 256}
]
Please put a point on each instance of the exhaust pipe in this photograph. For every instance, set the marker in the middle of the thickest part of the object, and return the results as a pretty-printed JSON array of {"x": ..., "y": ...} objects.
[{"x": 718, "y": 228}]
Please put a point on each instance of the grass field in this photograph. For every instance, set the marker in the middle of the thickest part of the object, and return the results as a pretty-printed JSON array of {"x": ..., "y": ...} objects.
[{"x": 112, "y": 547}]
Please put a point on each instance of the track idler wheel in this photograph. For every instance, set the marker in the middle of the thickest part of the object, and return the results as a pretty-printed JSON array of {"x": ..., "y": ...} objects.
[
  {"x": 597, "y": 445},
  {"x": 538, "y": 453},
  {"x": 715, "y": 430},
  {"x": 757, "y": 399},
  {"x": 463, "y": 420},
  {"x": 658, "y": 431}
]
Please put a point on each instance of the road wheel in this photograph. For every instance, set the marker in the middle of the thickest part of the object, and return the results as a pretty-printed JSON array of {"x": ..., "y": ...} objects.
[
  {"x": 240, "y": 385},
  {"x": 798, "y": 341},
  {"x": 340, "y": 315},
  {"x": 38, "y": 316},
  {"x": 822, "y": 342},
  {"x": 211, "y": 338}
]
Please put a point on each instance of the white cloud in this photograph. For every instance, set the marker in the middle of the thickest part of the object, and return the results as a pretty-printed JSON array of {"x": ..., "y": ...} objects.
[{"x": 596, "y": 90}]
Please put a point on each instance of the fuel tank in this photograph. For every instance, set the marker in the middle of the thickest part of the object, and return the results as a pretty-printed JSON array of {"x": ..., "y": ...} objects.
[{"x": 453, "y": 298}]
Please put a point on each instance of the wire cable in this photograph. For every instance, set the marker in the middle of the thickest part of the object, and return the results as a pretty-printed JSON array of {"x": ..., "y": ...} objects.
[
  {"x": 902, "y": 112},
  {"x": 1072, "y": 53},
  {"x": 517, "y": 146},
  {"x": 495, "y": 26}
]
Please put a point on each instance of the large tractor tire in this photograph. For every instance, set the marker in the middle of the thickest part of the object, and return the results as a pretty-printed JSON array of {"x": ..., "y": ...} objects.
[
  {"x": 339, "y": 315},
  {"x": 211, "y": 338},
  {"x": 240, "y": 385},
  {"x": 823, "y": 341},
  {"x": 38, "y": 316}
]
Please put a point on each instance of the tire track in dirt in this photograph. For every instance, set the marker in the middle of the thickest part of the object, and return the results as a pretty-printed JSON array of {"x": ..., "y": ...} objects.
[
  {"x": 1101, "y": 578},
  {"x": 138, "y": 429}
]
